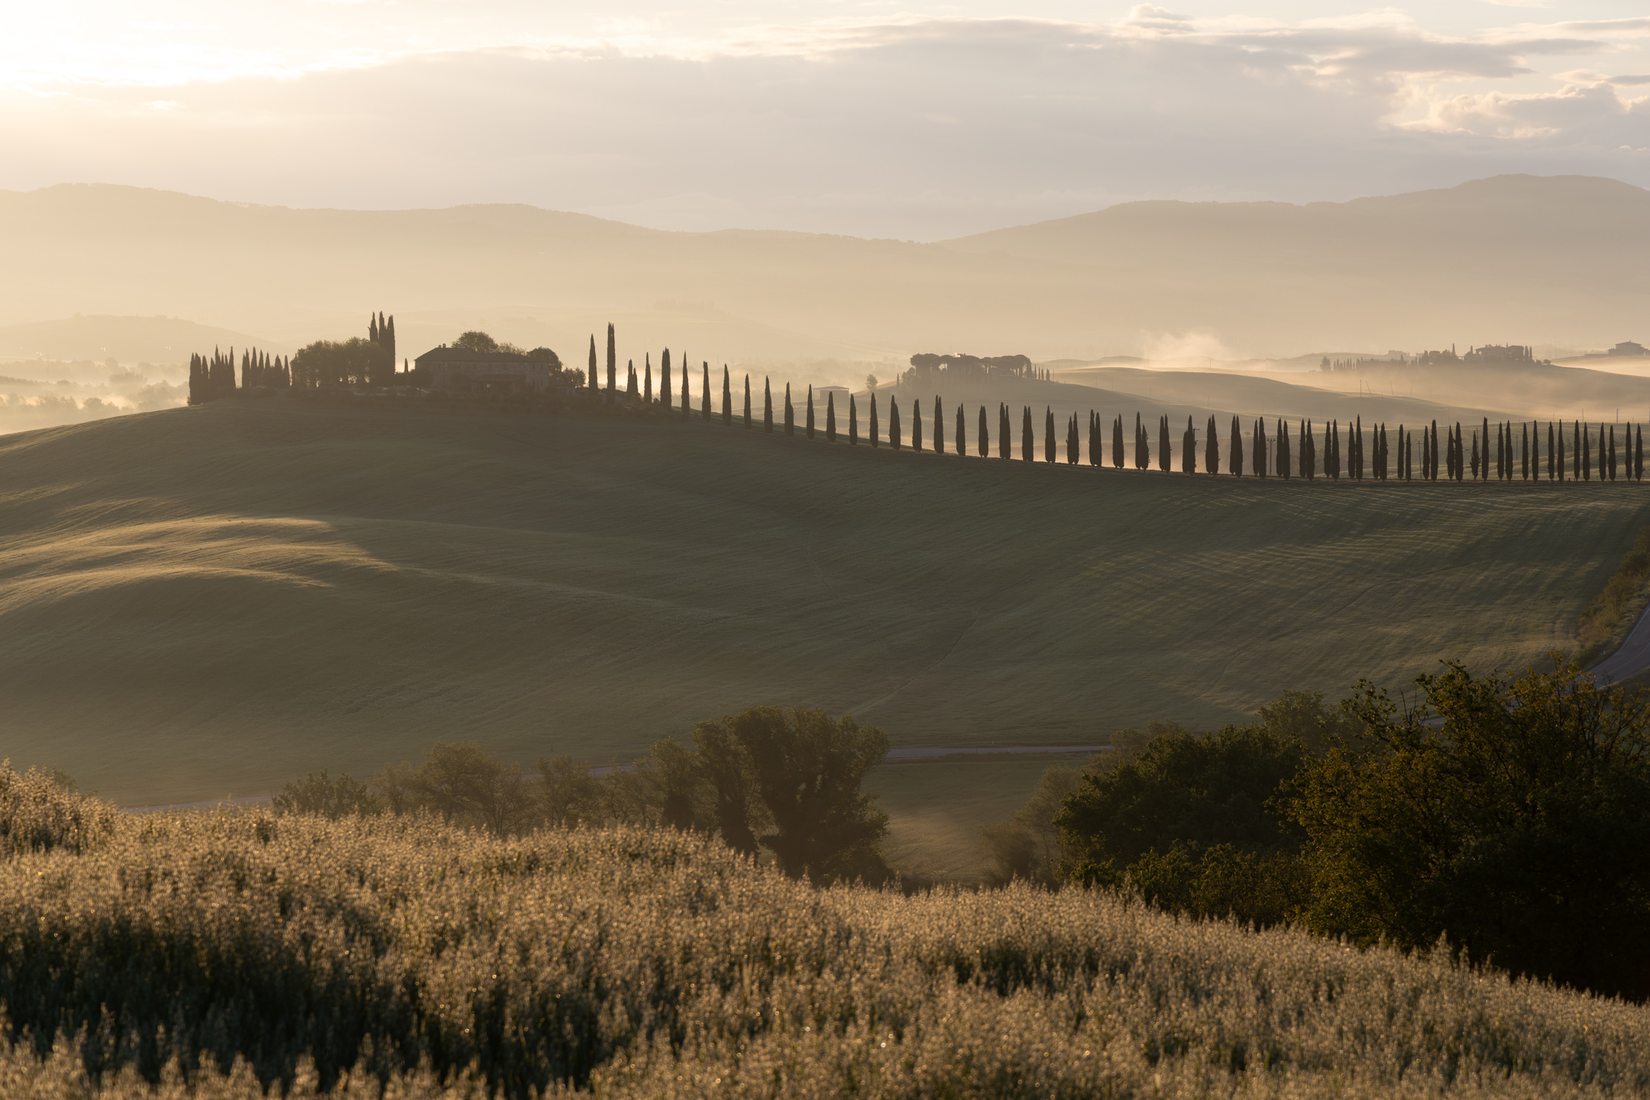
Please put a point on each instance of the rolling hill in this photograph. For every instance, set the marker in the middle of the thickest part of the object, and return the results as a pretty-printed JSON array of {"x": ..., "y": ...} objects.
[
  {"x": 210, "y": 601},
  {"x": 1520, "y": 259}
]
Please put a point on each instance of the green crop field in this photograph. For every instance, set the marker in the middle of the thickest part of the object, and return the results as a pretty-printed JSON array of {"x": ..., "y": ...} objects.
[{"x": 210, "y": 601}]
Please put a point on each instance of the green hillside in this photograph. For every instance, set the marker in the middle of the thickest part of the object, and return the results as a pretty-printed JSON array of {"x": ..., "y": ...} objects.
[{"x": 209, "y": 601}]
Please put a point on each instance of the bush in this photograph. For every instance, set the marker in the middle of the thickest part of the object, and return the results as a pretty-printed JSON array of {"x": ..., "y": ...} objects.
[
  {"x": 1517, "y": 825},
  {"x": 38, "y": 813}
]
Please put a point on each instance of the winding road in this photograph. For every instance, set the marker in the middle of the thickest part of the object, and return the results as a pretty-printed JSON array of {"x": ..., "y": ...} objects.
[{"x": 1631, "y": 660}]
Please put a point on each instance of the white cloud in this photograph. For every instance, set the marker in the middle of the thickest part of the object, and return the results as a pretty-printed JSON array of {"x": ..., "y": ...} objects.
[{"x": 906, "y": 127}]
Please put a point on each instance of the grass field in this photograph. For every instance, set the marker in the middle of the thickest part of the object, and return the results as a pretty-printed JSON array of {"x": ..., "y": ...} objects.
[
  {"x": 252, "y": 950},
  {"x": 207, "y": 602}
]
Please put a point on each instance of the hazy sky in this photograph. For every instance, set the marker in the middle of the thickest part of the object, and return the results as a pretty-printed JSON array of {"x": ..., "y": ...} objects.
[{"x": 915, "y": 119}]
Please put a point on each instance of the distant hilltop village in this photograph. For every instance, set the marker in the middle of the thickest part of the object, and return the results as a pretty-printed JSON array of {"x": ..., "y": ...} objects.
[{"x": 1484, "y": 355}]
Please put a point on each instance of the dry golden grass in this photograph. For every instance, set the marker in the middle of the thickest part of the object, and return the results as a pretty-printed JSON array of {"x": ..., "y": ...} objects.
[{"x": 218, "y": 953}]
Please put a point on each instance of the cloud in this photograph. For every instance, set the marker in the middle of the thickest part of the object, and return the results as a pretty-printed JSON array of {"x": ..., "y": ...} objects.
[{"x": 916, "y": 128}]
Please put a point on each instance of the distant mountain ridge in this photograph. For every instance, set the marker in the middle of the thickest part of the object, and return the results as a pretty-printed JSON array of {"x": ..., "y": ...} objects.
[{"x": 1520, "y": 259}]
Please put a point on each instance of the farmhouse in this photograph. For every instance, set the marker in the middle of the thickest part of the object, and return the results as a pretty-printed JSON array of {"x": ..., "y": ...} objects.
[{"x": 460, "y": 370}]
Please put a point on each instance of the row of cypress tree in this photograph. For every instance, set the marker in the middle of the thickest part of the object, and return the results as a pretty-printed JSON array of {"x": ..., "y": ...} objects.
[
  {"x": 213, "y": 377},
  {"x": 1284, "y": 451}
]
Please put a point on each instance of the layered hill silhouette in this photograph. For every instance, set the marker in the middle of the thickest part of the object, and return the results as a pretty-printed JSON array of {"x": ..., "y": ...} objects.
[
  {"x": 210, "y": 601},
  {"x": 1512, "y": 259}
]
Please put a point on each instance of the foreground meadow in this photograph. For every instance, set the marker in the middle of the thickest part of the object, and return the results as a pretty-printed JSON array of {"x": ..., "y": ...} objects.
[{"x": 224, "y": 953}]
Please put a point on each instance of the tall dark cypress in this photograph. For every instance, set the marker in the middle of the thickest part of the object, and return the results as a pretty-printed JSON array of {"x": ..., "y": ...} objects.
[
  {"x": 631, "y": 388},
  {"x": 1165, "y": 459},
  {"x": 1211, "y": 448},
  {"x": 747, "y": 402},
  {"x": 939, "y": 426},
  {"x": 727, "y": 397},
  {"x": 612, "y": 363},
  {"x": 876, "y": 437},
  {"x": 1188, "y": 449},
  {"x": 1259, "y": 444},
  {"x": 1475, "y": 453},
  {"x": 853, "y": 422},
  {"x": 983, "y": 444},
  {"x": 894, "y": 434},
  {"x": 961, "y": 442},
  {"x": 916, "y": 424},
  {"x": 1028, "y": 438},
  {"x": 1532, "y": 452},
  {"x": 592, "y": 362},
  {"x": 686, "y": 408},
  {"x": 1074, "y": 442},
  {"x": 810, "y": 424},
  {"x": 830, "y": 416},
  {"x": 1048, "y": 435},
  {"x": 790, "y": 412},
  {"x": 1584, "y": 452},
  {"x": 1005, "y": 446},
  {"x": 1556, "y": 457},
  {"x": 1141, "y": 456},
  {"x": 664, "y": 378},
  {"x": 1638, "y": 452},
  {"x": 647, "y": 383},
  {"x": 1612, "y": 459},
  {"x": 767, "y": 405},
  {"x": 1234, "y": 449},
  {"x": 1117, "y": 442},
  {"x": 1280, "y": 464}
]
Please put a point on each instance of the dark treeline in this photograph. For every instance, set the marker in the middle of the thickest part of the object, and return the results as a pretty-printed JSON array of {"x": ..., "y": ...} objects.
[
  {"x": 1285, "y": 450},
  {"x": 1504, "y": 816},
  {"x": 213, "y": 376}
]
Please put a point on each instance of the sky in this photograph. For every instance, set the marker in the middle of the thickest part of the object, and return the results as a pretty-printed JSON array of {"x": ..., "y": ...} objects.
[{"x": 915, "y": 120}]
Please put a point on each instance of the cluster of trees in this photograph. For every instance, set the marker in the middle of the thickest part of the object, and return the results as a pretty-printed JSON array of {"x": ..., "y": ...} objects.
[
  {"x": 1507, "y": 817},
  {"x": 358, "y": 361},
  {"x": 784, "y": 784},
  {"x": 212, "y": 377},
  {"x": 928, "y": 367},
  {"x": 1283, "y": 450}
]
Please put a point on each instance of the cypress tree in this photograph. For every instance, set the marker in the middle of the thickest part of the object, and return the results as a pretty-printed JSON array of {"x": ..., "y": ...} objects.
[
  {"x": 853, "y": 423},
  {"x": 1612, "y": 452},
  {"x": 647, "y": 387},
  {"x": 1584, "y": 449},
  {"x": 916, "y": 424},
  {"x": 894, "y": 433},
  {"x": 1557, "y": 458},
  {"x": 685, "y": 366},
  {"x": 876, "y": 437},
  {"x": 1258, "y": 442},
  {"x": 664, "y": 379},
  {"x": 630, "y": 387},
  {"x": 961, "y": 442},
  {"x": 1638, "y": 452},
  {"x": 1117, "y": 442},
  {"x": 939, "y": 425},
  {"x": 747, "y": 402},
  {"x": 810, "y": 425},
  {"x": 1005, "y": 446},
  {"x": 1028, "y": 439},
  {"x": 612, "y": 364},
  {"x": 1280, "y": 465},
  {"x": 1234, "y": 461},
  {"x": 592, "y": 362},
  {"x": 983, "y": 444},
  {"x": 1164, "y": 458},
  {"x": 830, "y": 416},
  {"x": 1211, "y": 448},
  {"x": 1308, "y": 452},
  {"x": 1475, "y": 454},
  {"x": 1188, "y": 449},
  {"x": 790, "y": 412},
  {"x": 1524, "y": 450},
  {"x": 1532, "y": 453},
  {"x": 727, "y": 397},
  {"x": 1048, "y": 435},
  {"x": 1094, "y": 438},
  {"x": 767, "y": 405}
]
